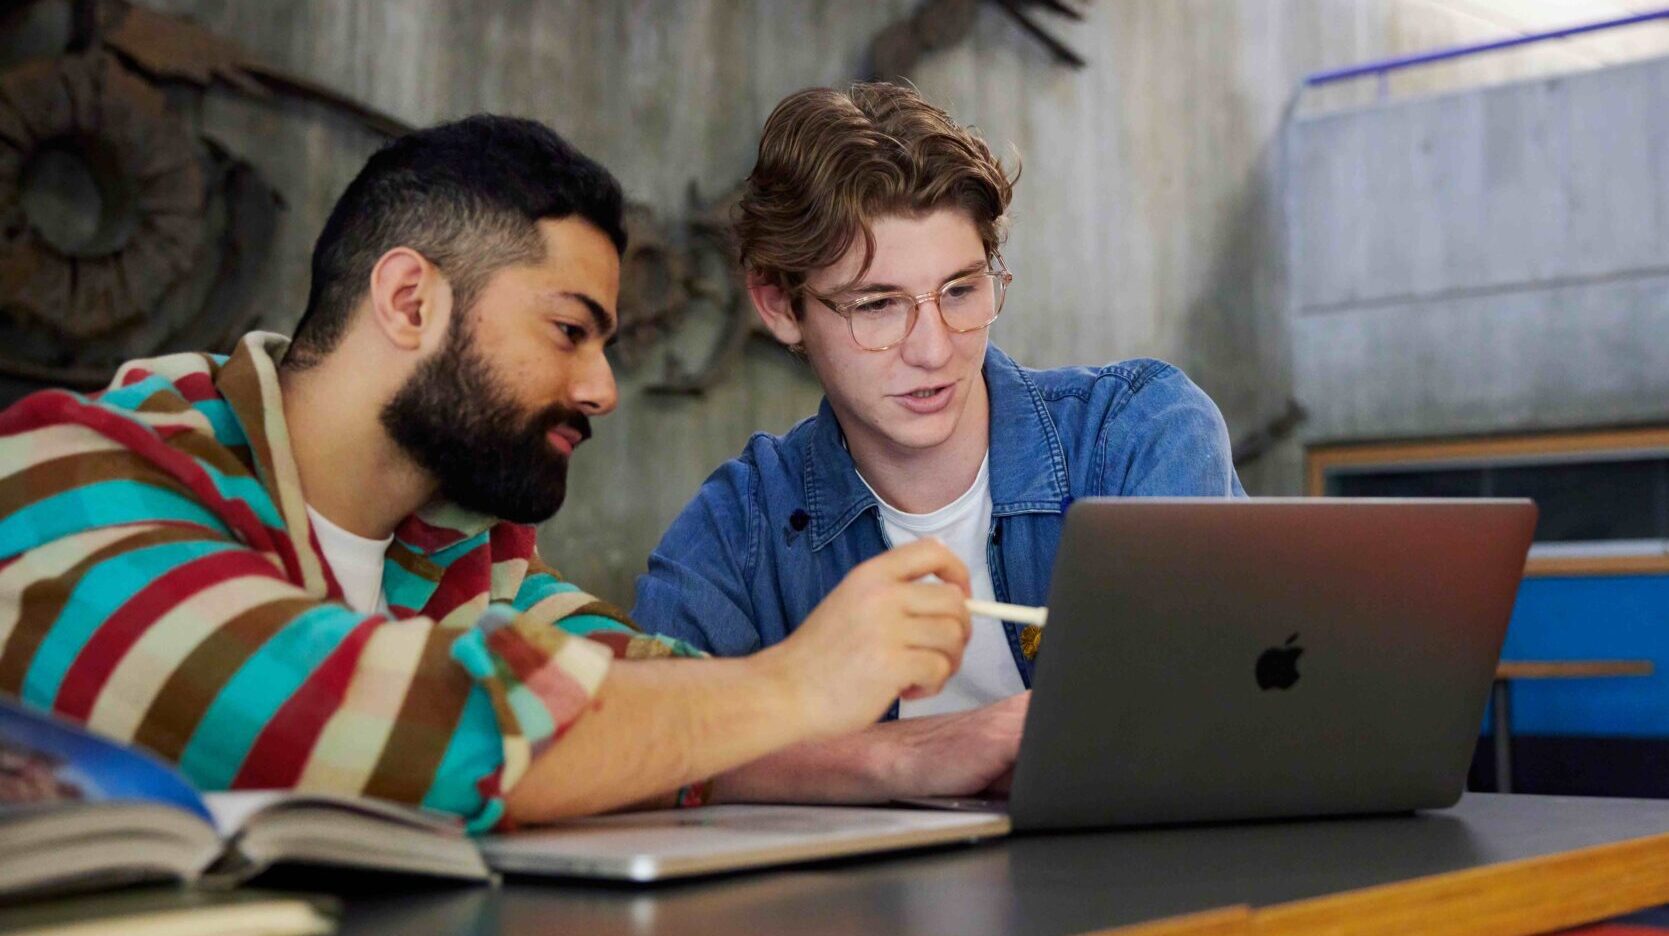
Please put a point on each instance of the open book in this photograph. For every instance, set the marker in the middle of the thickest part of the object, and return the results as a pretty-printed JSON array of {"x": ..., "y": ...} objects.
[{"x": 80, "y": 812}]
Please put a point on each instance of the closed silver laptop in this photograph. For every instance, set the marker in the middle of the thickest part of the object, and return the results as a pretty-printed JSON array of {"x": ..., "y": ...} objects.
[{"x": 1243, "y": 659}]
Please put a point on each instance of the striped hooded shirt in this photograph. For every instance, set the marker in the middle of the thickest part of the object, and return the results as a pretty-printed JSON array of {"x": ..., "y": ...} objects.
[{"x": 160, "y": 582}]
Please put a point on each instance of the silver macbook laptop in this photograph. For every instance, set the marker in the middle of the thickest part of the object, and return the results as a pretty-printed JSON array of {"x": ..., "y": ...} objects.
[
  {"x": 1244, "y": 659},
  {"x": 653, "y": 846}
]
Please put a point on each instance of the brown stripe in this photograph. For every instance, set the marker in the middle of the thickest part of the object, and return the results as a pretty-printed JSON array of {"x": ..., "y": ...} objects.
[
  {"x": 43, "y": 600},
  {"x": 428, "y": 718},
  {"x": 164, "y": 400},
  {"x": 198, "y": 443},
  {"x": 643, "y": 647},
  {"x": 536, "y": 565},
  {"x": 240, "y": 384},
  {"x": 604, "y": 609},
  {"x": 416, "y": 563},
  {"x": 46, "y": 479},
  {"x": 230, "y": 460},
  {"x": 192, "y": 687}
]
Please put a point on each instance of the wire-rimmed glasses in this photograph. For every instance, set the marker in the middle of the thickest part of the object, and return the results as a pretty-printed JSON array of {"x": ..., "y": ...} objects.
[{"x": 880, "y": 321}]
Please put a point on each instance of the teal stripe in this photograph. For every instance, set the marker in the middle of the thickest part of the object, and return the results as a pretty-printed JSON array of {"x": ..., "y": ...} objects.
[
  {"x": 130, "y": 396},
  {"x": 101, "y": 504},
  {"x": 536, "y": 588},
  {"x": 227, "y": 429},
  {"x": 256, "y": 691},
  {"x": 476, "y": 750},
  {"x": 450, "y": 554},
  {"x": 100, "y": 593},
  {"x": 247, "y": 489},
  {"x": 402, "y": 587},
  {"x": 533, "y": 718},
  {"x": 582, "y": 624}
]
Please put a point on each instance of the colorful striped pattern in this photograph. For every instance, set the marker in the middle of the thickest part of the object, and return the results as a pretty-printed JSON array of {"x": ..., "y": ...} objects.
[{"x": 159, "y": 581}]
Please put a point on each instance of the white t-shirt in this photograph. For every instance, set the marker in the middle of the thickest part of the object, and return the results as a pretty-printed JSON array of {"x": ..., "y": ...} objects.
[
  {"x": 355, "y": 561},
  {"x": 988, "y": 671}
]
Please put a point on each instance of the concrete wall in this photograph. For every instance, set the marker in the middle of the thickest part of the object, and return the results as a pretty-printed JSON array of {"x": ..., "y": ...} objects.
[
  {"x": 1148, "y": 221},
  {"x": 1487, "y": 261}
]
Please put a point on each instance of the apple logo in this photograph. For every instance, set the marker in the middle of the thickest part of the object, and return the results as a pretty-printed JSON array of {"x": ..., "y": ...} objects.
[{"x": 1278, "y": 666}]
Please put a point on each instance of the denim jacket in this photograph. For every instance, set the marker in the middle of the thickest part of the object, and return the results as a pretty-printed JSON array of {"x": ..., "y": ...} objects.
[{"x": 772, "y": 532}]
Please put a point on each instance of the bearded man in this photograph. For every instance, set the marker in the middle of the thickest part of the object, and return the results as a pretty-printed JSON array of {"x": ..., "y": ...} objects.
[{"x": 309, "y": 565}]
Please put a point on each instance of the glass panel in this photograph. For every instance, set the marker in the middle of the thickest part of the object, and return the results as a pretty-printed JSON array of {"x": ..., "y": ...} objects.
[
  {"x": 1445, "y": 482},
  {"x": 1593, "y": 502},
  {"x": 1597, "y": 501}
]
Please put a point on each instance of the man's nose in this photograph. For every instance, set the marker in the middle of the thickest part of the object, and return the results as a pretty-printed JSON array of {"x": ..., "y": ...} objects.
[
  {"x": 928, "y": 345},
  {"x": 593, "y": 389}
]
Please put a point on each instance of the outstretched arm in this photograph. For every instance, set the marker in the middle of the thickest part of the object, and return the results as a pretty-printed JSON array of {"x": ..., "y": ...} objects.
[
  {"x": 962, "y": 754},
  {"x": 657, "y": 725}
]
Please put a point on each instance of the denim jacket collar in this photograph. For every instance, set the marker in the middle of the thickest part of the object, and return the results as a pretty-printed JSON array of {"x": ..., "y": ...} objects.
[{"x": 1028, "y": 465}]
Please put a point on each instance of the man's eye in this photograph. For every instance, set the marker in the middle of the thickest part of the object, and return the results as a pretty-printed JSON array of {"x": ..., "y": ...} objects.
[
  {"x": 883, "y": 305},
  {"x": 573, "y": 333},
  {"x": 959, "y": 291}
]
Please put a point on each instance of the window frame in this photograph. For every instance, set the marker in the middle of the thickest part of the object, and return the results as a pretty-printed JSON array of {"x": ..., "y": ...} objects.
[{"x": 1626, "y": 557}]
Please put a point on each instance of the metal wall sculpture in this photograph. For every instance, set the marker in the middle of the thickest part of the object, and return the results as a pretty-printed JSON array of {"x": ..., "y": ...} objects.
[{"x": 123, "y": 232}]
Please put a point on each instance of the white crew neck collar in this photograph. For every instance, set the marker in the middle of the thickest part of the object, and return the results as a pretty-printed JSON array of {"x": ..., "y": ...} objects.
[{"x": 932, "y": 520}]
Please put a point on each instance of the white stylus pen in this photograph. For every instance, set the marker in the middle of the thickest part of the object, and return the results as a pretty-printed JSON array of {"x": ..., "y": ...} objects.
[{"x": 1019, "y": 614}]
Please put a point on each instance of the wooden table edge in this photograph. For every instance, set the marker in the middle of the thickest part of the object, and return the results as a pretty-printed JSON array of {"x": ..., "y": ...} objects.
[
  {"x": 1510, "y": 898},
  {"x": 1571, "y": 669}
]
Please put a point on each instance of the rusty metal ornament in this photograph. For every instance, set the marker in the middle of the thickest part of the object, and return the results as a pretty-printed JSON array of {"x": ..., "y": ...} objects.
[
  {"x": 940, "y": 24},
  {"x": 169, "y": 48},
  {"x": 122, "y": 233},
  {"x": 653, "y": 287},
  {"x": 87, "y": 115},
  {"x": 715, "y": 286}
]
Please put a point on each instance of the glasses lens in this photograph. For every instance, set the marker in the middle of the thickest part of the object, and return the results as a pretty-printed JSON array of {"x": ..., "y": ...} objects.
[
  {"x": 880, "y": 321},
  {"x": 972, "y": 301}
]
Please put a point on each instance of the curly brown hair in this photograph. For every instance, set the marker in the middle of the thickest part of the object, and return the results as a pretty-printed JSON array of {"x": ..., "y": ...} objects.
[{"x": 830, "y": 162}]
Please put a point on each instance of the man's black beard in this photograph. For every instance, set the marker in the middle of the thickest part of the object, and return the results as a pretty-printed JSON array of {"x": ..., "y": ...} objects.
[{"x": 461, "y": 425}]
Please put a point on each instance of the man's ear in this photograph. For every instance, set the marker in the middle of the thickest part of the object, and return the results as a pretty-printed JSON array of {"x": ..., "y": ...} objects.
[
  {"x": 410, "y": 299},
  {"x": 776, "y": 309}
]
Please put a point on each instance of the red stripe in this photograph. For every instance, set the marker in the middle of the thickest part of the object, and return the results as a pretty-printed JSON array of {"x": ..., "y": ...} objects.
[
  {"x": 332, "y": 586},
  {"x": 523, "y": 658},
  {"x": 424, "y": 537},
  {"x": 56, "y": 407},
  {"x": 97, "y": 659},
  {"x": 513, "y": 541},
  {"x": 469, "y": 576},
  {"x": 276, "y": 759},
  {"x": 135, "y": 375},
  {"x": 32, "y": 412},
  {"x": 616, "y": 642},
  {"x": 197, "y": 387}
]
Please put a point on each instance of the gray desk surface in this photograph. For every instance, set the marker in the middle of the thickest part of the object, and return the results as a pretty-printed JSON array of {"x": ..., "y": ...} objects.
[{"x": 1062, "y": 883}]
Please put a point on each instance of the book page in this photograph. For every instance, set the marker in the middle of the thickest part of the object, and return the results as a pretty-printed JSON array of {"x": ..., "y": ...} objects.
[{"x": 232, "y": 809}]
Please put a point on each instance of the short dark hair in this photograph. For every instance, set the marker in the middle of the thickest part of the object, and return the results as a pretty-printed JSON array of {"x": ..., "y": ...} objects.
[{"x": 467, "y": 195}]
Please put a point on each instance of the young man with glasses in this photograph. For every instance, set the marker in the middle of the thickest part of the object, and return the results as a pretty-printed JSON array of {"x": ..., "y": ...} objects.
[{"x": 869, "y": 232}]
